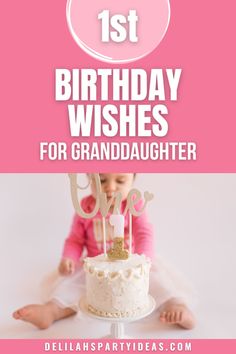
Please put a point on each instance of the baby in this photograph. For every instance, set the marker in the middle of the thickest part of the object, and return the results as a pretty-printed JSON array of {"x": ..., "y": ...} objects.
[{"x": 86, "y": 234}]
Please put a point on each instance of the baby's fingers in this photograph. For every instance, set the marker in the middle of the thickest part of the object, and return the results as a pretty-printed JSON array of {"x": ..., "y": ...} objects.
[
  {"x": 63, "y": 270},
  {"x": 71, "y": 268}
]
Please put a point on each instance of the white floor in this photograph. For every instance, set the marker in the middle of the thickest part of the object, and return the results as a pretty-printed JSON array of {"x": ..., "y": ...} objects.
[
  {"x": 196, "y": 228},
  {"x": 214, "y": 321}
]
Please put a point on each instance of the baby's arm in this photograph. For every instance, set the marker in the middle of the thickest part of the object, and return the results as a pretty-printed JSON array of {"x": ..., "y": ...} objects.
[{"x": 73, "y": 247}]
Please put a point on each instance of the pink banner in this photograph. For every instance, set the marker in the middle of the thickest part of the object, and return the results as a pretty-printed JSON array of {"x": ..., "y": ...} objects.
[
  {"x": 37, "y": 41},
  {"x": 197, "y": 346}
]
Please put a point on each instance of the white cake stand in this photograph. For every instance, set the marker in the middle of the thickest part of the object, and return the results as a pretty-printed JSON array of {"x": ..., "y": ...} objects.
[{"x": 117, "y": 324}]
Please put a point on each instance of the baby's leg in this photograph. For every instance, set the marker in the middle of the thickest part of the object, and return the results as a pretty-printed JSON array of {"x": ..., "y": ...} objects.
[
  {"x": 174, "y": 312},
  {"x": 42, "y": 316}
]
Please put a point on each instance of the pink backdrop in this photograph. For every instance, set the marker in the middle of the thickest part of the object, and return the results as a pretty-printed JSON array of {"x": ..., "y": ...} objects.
[{"x": 35, "y": 40}]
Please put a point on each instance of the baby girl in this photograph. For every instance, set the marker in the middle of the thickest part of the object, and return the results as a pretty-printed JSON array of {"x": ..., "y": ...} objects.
[{"x": 170, "y": 293}]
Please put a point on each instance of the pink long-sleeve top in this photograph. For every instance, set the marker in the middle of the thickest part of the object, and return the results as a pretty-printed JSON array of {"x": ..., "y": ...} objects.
[{"x": 86, "y": 234}]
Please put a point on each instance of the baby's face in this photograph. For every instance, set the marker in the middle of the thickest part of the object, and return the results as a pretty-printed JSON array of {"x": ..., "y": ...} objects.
[{"x": 115, "y": 182}]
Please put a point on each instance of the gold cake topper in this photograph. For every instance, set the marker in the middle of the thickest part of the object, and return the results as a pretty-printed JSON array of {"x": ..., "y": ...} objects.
[
  {"x": 104, "y": 206},
  {"x": 118, "y": 252}
]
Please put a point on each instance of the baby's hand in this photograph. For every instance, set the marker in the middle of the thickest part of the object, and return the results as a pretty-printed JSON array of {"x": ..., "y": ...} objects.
[{"x": 66, "y": 266}]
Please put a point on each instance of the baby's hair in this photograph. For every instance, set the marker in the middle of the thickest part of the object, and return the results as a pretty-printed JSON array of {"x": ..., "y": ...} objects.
[{"x": 133, "y": 174}]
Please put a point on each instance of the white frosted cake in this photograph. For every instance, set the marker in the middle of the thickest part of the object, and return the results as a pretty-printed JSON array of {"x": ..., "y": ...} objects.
[{"x": 117, "y": 288}]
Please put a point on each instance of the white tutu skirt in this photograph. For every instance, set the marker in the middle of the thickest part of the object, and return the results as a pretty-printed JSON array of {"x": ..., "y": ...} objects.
[{"x": 166, "y": 283}]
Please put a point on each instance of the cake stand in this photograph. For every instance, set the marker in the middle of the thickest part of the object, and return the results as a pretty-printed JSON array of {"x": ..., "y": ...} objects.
[{"x": 117, "y": 324}]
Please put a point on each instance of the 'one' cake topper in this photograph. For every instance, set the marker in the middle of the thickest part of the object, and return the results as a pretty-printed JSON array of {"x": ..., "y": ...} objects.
[{"x": 105, "y": 206}]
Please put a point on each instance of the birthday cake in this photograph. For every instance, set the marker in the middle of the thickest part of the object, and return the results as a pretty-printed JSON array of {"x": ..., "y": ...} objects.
[
  {"x": 117, "y": 281},
  {"x": 117, "y": 288}
]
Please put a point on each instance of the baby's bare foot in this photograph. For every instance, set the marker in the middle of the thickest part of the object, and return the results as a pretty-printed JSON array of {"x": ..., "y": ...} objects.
[
  {"x": 179, "y": 314},
  {"x": 42, "y": 316},
  {"x": 38, "y": 315}
]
